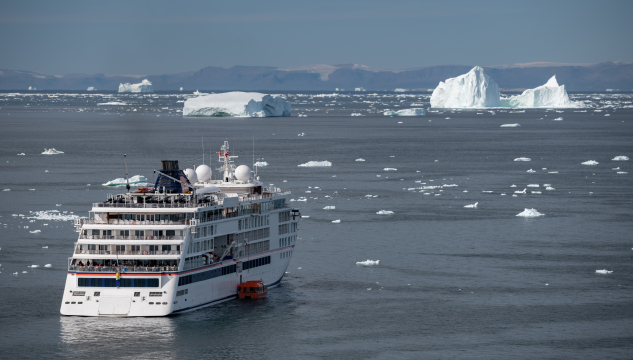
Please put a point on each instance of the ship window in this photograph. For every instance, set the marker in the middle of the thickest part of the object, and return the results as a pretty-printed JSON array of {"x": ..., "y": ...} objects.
[
  {"x": 153, "y": 248},
  {"x": 166, "y": 247},
  {"x": 85, "y": 232},
  {"x": 135, "y": 247},
  {"x": 137, "y": 294},
  {"x": 103, "y": 247},
  {"x": 170, "y": 232},
  {"x": 124, "y": 233},
  {"x": 139, "y": 232},
  {"x": 95, "y": 232},
  {"x": 177, "y": 247}
]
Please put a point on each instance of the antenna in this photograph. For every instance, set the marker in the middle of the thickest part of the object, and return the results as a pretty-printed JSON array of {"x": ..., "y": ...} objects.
[
  {"x": 254, "y": 155},
  {"x": 202, "y": 149},
  {"x": 127, "y": 186}
]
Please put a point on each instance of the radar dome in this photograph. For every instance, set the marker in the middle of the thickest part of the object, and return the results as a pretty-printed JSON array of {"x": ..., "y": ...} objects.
[
  {"x": 191, "y": 175},
  {"x": 204, "y": 173},
  {"x": 243, "y": 173}
]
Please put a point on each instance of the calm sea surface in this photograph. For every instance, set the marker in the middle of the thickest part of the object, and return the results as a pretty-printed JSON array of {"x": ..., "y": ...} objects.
[{"x": 452, "y": 282}]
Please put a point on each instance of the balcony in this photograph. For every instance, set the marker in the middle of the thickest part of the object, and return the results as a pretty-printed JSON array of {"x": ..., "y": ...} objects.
[
  {"x": 132, "y": 222},
  {"x": 128, "y": 252},
  {"x": 119, "y": 237}
]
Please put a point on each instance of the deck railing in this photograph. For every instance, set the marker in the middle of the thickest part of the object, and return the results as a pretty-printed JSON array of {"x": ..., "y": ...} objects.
[
  {"x": 122, "y": 269},
  {"x": 119, "y": 237},
  {"x": 146, "y": 252}
]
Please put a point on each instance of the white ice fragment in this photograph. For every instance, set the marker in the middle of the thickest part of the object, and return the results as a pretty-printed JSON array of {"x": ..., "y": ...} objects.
[
  {"x": 474, "y": 89},
  {"x": 136, "y": 181},
  {"x": 48, "y": 266},
  {"x": 530, "y": 213},
  {"x": 54, "y": 215},
  {"x": 34, "y": 266},
  {"x": 6, "y": 190},
  {"x": 390, "y": 169},
  {"x": 112, "y": 103},
  {"x": 406, "y": 112},
  {"x": 510, "y": 125},
  {"x": 521, "y": 192},
  {"x": 45, "y": 247},
  {"x": 450, "y": 185},
  {"x": 549, "y": 188},
  {"x": 51, "y": 151},
  {"x": 622, "y": 172},
  {"x": 522, "y": 159},
  {"x": 531, "y": 171},
  {"x": 535, "y": 192},
  {"x": 143, "y": 86},
  {"x": 336, "y": 221},
  {"x": 261, "y": 163},
  {"x": 513, "y": 185},
  {"x": 302, "y": 134},
  {"x": 368, "y": 263},
  {"x": 559, "y": 119},
  {"x": 471, "y": 206},
  {"x": 385, "y": 212},
  {"x": 552, "y": 172},
  {"x": 360, "y": 159},
  {"x": 548, "y": 95},
  {"x": 487, "y": 191},
  {"x": 357, "y": 114},
  {"x": 590, "y": 162},
  {"x": 237, "y": 104},
  {"x": 21, "y": 154},
  {"x": 620, "y": 158},
  {"x": 329, "y": 207},
  {"x": 35, "y": 231},
  {"x": 604, "y": 271},
  {"x": 533, "y": 185},
  {"x": 316, "y": 164}
]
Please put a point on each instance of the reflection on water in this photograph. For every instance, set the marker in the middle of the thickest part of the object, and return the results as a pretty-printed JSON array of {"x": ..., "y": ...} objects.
[{"x": 144, "y": 337}]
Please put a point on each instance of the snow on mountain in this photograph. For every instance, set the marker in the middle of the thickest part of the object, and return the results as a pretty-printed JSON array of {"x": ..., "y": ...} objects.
[
  {"x": 144, "y": 86},
  {"x": 474, "y": 89},
  {"x": 237, "y": 104},
  {"x": 548, "y": 95}
]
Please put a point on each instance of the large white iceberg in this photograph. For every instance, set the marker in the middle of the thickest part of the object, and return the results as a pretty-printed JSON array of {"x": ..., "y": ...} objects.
[
  {"x": 548, "y": 95},
  {"x": 136, "y": 181},
  {"x": 237, "y": 104},
  {"x": 144, "y": 86},
  {"x": 474, "y": 89},
  {"x": 406, "y": 112},
  {"x": 316, "y": 164}
]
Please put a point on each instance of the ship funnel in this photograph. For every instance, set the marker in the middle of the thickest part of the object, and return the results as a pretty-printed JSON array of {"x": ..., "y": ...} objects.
[
  {"x": 170, "y": 168},
  {"x": 170, "y": 164}
]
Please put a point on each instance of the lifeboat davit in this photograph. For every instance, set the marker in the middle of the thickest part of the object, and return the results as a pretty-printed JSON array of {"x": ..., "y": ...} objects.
[{"x": 255, "y": 289}]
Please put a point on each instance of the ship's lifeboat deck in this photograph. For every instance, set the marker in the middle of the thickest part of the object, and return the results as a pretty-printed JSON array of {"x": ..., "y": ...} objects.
[{"x": 252, "y": 289}]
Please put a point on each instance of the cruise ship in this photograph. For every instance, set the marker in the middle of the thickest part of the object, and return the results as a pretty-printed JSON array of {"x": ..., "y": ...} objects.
[{"x": 186, "y": 243}]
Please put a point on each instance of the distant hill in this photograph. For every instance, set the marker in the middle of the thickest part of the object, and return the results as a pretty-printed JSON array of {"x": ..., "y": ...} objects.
[{"x": 575, "y": 77}]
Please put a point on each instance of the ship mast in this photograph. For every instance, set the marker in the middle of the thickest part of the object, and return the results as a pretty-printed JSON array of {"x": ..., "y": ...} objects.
[{"x": 225, "y": 158}]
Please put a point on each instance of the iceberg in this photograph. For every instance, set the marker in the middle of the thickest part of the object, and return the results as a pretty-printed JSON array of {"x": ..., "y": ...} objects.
[
  {"x": 390, "y": 169},
  {"x": 137, "y": 181},
  {"x": 111, "y": 103},
  {"x": 368, "y": 262},
  {"x": 406, "y": 112},
  {"x": 52, "y": 151},
  {"x": 385, "y": 212},
  {"x": 261, "y": 163},
  {"x": 360, "y": 159},
  {"x": 474, "y": 89},
  {"x": 329, "y": 207},
  {"x": 590, "y": 162},
  {"x": 144, "y": 86},
  {"x": 559, "y": 119},
  {"x": 604, "y": 271},
  {"x": 91, "y": 88},
  {"x": 528, "y": 213},
  {"x": 237, "y": 104},
  {"x": 548, "y": 95},
  {"x": 54, "y": 215},
  {"x": 316, "y": 164},
  {"x": 471, "y": 206},
  {"x": 336, "y": 221},
  {"x": 617, "y": 158},
  {"x": 357, "y": 114},
  {"x": 522, "y": 159},
  {"x": 510, "y": 125}
]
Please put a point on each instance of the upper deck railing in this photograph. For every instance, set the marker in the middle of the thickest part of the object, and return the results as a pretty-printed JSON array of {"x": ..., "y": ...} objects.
[{"x": 122, "y": 269}]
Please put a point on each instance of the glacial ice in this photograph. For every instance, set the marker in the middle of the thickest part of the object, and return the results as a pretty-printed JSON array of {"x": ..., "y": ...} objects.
[
  {"x": 385, "y": 212},
  {"x": 390, "y": 169},
  {"x": 261, "y": 163},
  {"x": 136, "y": 181},
  {"x": 48, "y": 266},
  {"x": 54, "y": 215},
  {"x": 590, "y": 162},
  {"x": 143, "y": 86},
  {"x": 471, "y": 206},
  {"x": 559, "y": 119},
  {"x": 329, "y": 207},
  {"x": 530, "y": 213},
  {"x": 35, "y": 231},
  {"x": 474, "y": 89},
  {"x": 360, "y": 159},
  {"x": 336, "y": 221},
  {"x": 510, "y": 125},
  {"x": 368, "y": 262},
  {"x": 357, "y": 114},
  {"x": 237, "y": 104},
  {"x": 52, "y": 151},
  {"x": 316, "y": 164},
  {"x": 406, "y": 112},
  {"x": 620, "y": 158},
  {"x": 548, "y": 95},
  {"x": 531, "y": 171},
  {"x": 112, "y": 103},
  {"x": 604, "y": 271},
  {"x": 522, "y": 159}
]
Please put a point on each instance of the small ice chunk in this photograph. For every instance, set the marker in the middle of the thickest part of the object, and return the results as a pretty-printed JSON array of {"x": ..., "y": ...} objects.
[
  {"x": 385, "y": 212},
  {"x": 390, "y": 169},
  {"x": 357, "y": 114},
  {"x": 329, "y": 207},
  {"x": 406, "y": 112},
  {"x": 316, "y": 164},
  {"x": 336, "y": 221},
  {"x": 368, "y": 263},
  {"x": 261, "y": 163},
  {"x": 513, "y": 185},
  {"x": 590, "y": 162},
  {"x": 487, "y": 191},
  {"x": 35, "y": 231},
  {"x": 604, "y": 271},
  {"x": 531, "y": 171},
  {"x": 45, "y": 247},
  {"x": 622, "y": 172},
  {"x": 48, "y": 266},
  {"x": 535, "y": 192},
  {"x": 52, "y": 151},
  {"x": 471, "y": 206},
  {"x": 549, "y": 188},
  {"x": 620, "y": 158},
  {"x": 522, "y": 159},
  {"x": 528, "y": 213},
  {"x": 360, "y": 159},
  {"x": 112, "y": 103},
  {"x": 21, "y": 154},
  {"x": 552, "y": 172},
  {"x": 521, "y": 192},
  {"x": 533, "y": 185},
  {"x": 34, "y": 266},
  {"x": 511, "y": 125},
  {"x": 559, "y": 119}
]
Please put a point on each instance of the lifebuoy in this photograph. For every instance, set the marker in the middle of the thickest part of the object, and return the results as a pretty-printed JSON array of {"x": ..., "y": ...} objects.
[{"x": 148, "y": 237}]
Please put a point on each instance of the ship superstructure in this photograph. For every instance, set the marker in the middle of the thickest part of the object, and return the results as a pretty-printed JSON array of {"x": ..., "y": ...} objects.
[{"x": 186, "y": 243}]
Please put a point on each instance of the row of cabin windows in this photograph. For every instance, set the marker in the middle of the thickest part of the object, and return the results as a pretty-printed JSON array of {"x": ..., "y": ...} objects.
[
  {"x": 287, "y": 228},
  {"x": 285, "y": 254},
  {"x": 111, "y": 282},
  {"x": 255, "y": 263},
  {"x": 255, "y": 208},
  {"x": 206, "y": 275},
  {"x": 287, "y": 241},
  {"x": 212, "y": 215},
  {"x": 200, "y": 246},
  {"x": 134, "y": 232},
  {"x": 278, "y": 204},
  {"x": 253, "y": 235},
  {"x": 253, "y": 222},
  {"x": 204, "y": 231},
  {"x": 284, "y": 216},
  {"x": 256, "y": 248},
  {"x": 151, "y": 217},
  {"x": 128, "y": 247}
]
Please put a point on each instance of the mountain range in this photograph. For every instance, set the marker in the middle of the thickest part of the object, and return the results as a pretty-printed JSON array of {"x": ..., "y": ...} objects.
[{"x": 515, "y": 77}]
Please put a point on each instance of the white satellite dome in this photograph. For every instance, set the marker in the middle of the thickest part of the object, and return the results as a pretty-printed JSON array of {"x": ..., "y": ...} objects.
[
  {"x": 243, "y": 173},
  {"x": 204, "y": 173},
  {"x": 191, "y": 175}
]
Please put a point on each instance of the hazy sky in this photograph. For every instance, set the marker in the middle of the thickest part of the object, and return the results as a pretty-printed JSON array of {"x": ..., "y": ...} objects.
[{"x": 158, "y": 37}]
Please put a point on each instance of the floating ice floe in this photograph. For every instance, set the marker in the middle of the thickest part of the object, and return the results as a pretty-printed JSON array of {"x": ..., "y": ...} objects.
[
  {"x": 112, "y": 103},
  {"x": 448, "y": 118},
  {"x": 549, "y": 188},
  {"x": 548, "y": 95},
  {"x": 53, "y": 215},
  {"x": 590, "y": 162},
  {"x": 531, "y": 171},
  {"x": 336, "y": 221},
  {"x": 530, "y": 213},
  {"x": 143, "y": 86},
  {"x": 474, "y": 89},
  {"x": 368, "y": 262},
  {"x": 360, "y": 159},
  {"x": 513, "y": 185},
  {"x": 302, "y": 134},
  {"x": 329, "y": 207},
  {"x": 622, "y": 172},
  {"x": 261, "y": 163},
  {"x": 521, "y": 192},
  {"x": 35, "y": 231},
  {"x": 6, "y": 190},
  {"x": 471, "y": 206},
  {"x": 559, "y": 119},
  {"x": 357, "y": 114},
  {"x": 620, "y": 158},
  {"x": 316, "y": 164},
  {"x": 533, "y": 185},
  {"x": 136, "y": 181},
  {"x": 604, "y": 271},
  {"x": 237, "y": 104},
  {"x": 522, "y": 159},
  {"x": 45, "y": 247},
  {"x": 607, "y": 114},
  {"x": 487, "y": 191},
  {"x": 535, "y": 192},
  {"x": 51, "y": 151},
  {"x": 385, "y": 212},
  {"x": 390, "y": 169},
  {"x": 48, "y": 266},
  {"x": 302, "y": 115},
  {"x": 510, "y": 125},
  {"x": 406, "y": 112},
  {"x": 21, "y": 154},
  {"x": 34, "y": 266},
  {"x": 552, "y": 172}
]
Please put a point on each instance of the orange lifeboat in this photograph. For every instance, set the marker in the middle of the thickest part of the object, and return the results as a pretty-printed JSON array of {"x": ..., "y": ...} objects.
[{"x": 255, "y": 289}]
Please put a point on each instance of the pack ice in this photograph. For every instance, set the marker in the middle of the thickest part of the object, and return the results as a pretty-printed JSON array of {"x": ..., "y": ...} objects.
[
  {"x": 144, "y": 86},
  {"x": 474, "y": 89},
  {"x": 406, "y": 112},
  {"x": 237, "y": 104},
  {"x": 548, "y": 95}
]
